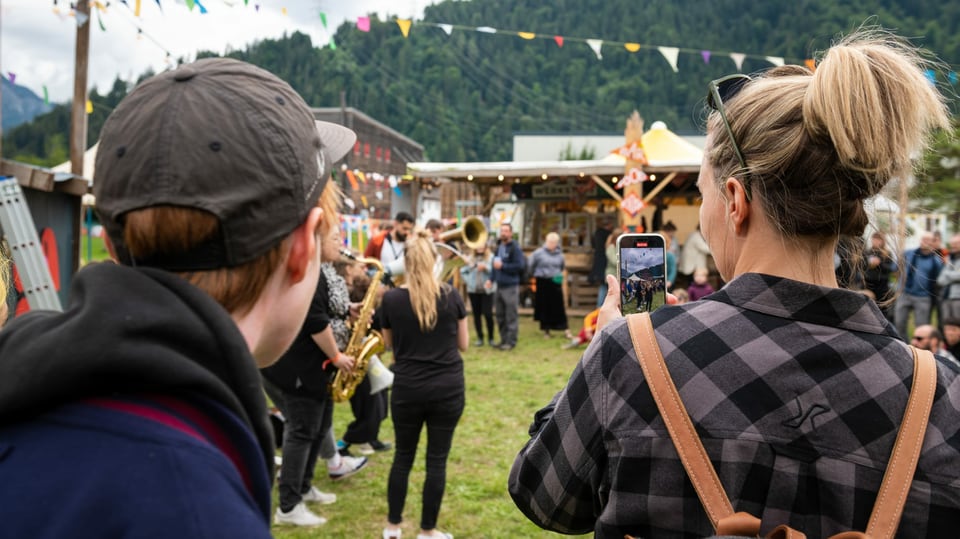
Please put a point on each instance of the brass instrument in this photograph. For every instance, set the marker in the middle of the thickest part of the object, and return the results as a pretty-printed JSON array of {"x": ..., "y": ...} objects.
[
  {"x": 362, "y": 346},
  {"x": 472, "y": 233}
]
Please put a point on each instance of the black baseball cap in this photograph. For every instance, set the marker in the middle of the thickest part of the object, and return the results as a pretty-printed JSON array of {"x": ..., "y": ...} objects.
[{"x": 218, "y": 135}]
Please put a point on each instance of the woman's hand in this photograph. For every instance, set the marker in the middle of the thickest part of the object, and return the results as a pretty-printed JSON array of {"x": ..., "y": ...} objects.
[{"x": 610, "y": 310}]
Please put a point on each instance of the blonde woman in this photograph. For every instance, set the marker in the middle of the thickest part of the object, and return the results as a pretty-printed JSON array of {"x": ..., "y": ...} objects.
[
  {"x": 796, "y": 386},
  {"x": 425, "y": 323}
]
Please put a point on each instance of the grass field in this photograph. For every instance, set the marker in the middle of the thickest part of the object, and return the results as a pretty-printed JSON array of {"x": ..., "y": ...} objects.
[{"x": 504, "y": 389}]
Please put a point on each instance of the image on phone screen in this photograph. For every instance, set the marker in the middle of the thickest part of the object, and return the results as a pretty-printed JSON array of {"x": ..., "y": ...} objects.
[{"x": 642, "y": 267}]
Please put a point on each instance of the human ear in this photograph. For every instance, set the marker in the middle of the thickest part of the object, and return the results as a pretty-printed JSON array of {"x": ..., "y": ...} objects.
[
  {"x": 738, "y": 207},
  {"x": 304, "y": 244}
]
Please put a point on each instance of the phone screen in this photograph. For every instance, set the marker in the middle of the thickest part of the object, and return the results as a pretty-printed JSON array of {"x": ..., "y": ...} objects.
[{"x": 642, "y": 266}]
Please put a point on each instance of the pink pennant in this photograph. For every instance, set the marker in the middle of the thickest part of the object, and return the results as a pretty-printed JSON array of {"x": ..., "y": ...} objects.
[
  {"x": 558, "y": 40},
  {"x": 12, "y": 76},
  {"x": 363, "y": 24},
  {"x": 706, "y": 56}
]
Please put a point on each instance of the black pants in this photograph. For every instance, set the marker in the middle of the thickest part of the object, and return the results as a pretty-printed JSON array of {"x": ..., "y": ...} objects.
[
  {"x": 482, "y": 305},
  {"x": 308, "y": 420},
  {"x": 441, "y": 417},
  {"x": 368, "y": 412}
]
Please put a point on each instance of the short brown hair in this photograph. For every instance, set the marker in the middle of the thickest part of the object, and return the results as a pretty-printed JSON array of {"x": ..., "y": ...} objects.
[{"x": 169, "y": 230}]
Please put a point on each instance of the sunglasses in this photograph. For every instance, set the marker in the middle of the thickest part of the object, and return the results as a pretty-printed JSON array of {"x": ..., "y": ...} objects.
[{"x": 721, "y": 90}]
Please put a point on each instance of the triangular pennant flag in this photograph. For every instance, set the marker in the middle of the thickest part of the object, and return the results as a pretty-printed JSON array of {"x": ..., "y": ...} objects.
[
  {"x": 558, "y": 40},
  {"x": 190, "y": 4},
  {"x": 527, "y": 35},
  {"x": 670, "y": 53},
  {"x": 632, "y": 47},
  {"x": 952, "y": 77},
  {"x": 404, "y": 25},
  {"x": 349, "y": 202},
  {"x": 12, "y": 76},
  {"x": 100, "y": 6},
  {"x": 203, "y": 10},
  {"x": 363, "y": 198},
  {"x": 283, "y": 10},
  {"x": 89, "y": 107},
  {"x": 136, "y": 8},
  {"x": 596, "y": 45},
  {"x": 323, "y": 20},
  {"x": 353, "y": 180},
  {"x": 738, "y": 58},
  {"x": 100, "y": 22},
  {"x": 159, "y": 6},
  {"x": 706, "y": 56},
  {"x": 82, "y": 19},
  {"x": 46, "y": 96},
  {"x": 447, "y": 28},
  {"x": 775, "y": 60},
  {"x": 392, "y": 180},
  {"x": 362, "y": 176},
  {"x": 333, "y": 44},
  {"x": 397, "y": 192},
  {"x": 811, "y": 64},
  {"x": 379, "y": 195},
  {"x": 363, "y": 24},
  {"x": 931, "y": 76},
  {"x": 487, "y": 30}
]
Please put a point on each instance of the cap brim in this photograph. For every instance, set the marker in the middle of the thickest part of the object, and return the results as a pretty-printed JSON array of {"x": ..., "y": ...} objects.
[{"x": 336, "y": 139}]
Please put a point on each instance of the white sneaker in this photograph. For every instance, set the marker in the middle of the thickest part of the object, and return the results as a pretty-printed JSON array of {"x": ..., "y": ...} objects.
[
  {"x": 298, "y": 516},
  {"x": 348, "y": 466},
  {"x": 316, "y": 495}
]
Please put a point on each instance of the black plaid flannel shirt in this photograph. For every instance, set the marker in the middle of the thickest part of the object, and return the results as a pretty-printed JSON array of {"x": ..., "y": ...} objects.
[{"x": 797, "y": 392}]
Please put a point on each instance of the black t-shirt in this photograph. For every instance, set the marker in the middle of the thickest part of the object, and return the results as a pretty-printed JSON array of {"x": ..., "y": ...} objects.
[
  {"x": 428, "y": 364},
  {"x": 300, "y": 369}
]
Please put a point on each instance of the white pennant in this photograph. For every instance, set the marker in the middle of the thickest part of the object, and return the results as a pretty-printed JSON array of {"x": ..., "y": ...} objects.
[
  {"x": 448, "y": 28},
  {"x": 671, "y": 54},
  {"x": 487, "y": 29},
  {"x": 596, "y": 44},
  {"x": 81, "y": 18},
  {"x": 738, "y": 58},
  {"x": 775, "y": 60}
]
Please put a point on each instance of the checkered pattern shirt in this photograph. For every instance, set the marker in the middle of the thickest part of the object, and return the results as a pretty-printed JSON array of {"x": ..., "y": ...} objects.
[{"x": 797, "y": 392}]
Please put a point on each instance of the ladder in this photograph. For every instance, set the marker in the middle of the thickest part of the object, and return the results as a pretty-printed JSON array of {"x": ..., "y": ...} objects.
[{"x": 17, "y": 224}]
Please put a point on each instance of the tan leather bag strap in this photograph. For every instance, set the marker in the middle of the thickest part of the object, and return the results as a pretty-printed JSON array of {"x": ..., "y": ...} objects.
[
  {"x": 906, "y": 451},
  {"x": 885, "y": 517}
]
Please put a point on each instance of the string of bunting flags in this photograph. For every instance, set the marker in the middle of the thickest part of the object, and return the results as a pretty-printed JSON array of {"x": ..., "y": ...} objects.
[{"x": 364, "y": 24}]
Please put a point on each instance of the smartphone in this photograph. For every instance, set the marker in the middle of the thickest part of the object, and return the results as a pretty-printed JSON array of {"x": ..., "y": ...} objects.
[{"x": 642, "y": 263}]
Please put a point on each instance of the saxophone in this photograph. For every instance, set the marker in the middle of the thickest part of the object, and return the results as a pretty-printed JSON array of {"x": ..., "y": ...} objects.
[{"x": 361, "y": 345}]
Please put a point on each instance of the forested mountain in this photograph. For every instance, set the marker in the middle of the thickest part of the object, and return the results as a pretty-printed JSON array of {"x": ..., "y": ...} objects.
[
  {"x": 20, "y": 105},
  {"x": 463, "y": 95}
]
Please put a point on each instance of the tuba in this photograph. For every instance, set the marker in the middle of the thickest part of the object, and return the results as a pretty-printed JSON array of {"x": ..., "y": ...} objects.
[{"x": 362, "y": 346}]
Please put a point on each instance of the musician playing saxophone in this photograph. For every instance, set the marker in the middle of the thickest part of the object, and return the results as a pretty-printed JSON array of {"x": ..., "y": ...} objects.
[{"x": 425, "y": 323}]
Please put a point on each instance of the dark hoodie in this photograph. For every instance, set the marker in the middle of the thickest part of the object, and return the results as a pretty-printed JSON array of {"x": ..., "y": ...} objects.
[{"x": 138, "y": 411}]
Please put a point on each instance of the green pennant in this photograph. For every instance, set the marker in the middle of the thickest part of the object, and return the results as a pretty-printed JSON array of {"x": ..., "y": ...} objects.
[
  {"x": 333, "y": 44},
  {"x": 190, "y": 4},
  {"x": 46, "y": 96},
  {"x": 323, "y": 19}
]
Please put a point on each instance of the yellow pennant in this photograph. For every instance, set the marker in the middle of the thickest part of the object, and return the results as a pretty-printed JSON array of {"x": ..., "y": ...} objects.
[
  {"x": 89, "y": 107},
  {"x": 283, "y": 11},
  {"x": 363, "y": 198},
  {"x": 136, "y": 9},
  {"x": 632, "y": 47},
  {"x": 404, "y": 25},
  {"x": 527, "y": 35},
  {"x": 362, "y": 176}
]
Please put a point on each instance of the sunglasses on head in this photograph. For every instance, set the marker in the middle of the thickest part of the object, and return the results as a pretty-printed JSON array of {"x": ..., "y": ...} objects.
[{"x": 721, "y": 90}]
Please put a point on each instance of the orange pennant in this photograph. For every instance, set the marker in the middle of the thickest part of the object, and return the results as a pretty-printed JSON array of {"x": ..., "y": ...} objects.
[
  {"x": 811, "y": 64},
  {"x": 353, "y": 180}
]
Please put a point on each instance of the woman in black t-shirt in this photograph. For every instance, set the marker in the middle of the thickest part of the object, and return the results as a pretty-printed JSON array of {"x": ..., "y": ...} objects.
[{"x": 425, "y": 322}]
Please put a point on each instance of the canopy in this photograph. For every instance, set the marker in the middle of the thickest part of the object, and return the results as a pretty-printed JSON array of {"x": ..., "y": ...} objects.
[{"x": 665, "y": 152}]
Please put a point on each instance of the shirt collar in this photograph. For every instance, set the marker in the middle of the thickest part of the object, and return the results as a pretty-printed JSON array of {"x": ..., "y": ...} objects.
[{"x": 805, "y": 302}]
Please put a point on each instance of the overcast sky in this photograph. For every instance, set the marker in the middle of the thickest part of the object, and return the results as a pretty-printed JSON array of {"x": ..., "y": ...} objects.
[
  {"x": 38, "y": 45},
  {"x": 636, "y": 259}
]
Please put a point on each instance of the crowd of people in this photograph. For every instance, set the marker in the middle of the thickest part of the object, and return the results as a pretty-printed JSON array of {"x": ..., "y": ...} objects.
[{"x": 229, "y": 286}]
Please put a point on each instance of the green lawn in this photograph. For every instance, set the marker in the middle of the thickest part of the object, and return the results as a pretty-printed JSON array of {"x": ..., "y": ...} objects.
[{"x": 504, "y": 389}]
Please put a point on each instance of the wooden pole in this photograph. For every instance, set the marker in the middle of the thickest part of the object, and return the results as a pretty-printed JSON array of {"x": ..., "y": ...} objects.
[
  {"x": 633, "y": 134},
  {"x": 78, "y": 114}
]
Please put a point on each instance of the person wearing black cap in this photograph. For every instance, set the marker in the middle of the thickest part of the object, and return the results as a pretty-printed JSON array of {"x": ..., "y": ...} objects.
[{"x": 139, "y": 409}]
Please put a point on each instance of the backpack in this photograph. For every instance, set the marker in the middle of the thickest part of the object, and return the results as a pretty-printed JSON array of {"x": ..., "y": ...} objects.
[{"x": 896, "y": 480}]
